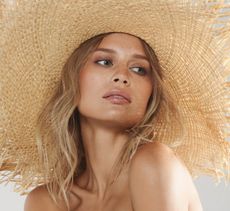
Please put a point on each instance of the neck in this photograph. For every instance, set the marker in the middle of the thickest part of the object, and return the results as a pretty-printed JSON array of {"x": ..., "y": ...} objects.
[{"x": 102, "y": 145}]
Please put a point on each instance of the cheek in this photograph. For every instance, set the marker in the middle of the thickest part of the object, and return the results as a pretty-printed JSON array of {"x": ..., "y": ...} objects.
[
  {"x": 91, "y": 91},
  {"x": 88, "y": 84},
  {"x": 144, "y": 92},
  {"x": 141, "y": 105},
  {"x": 142, "y": 98}
]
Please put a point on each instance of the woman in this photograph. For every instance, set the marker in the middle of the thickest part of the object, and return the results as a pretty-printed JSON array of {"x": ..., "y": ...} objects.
[
  {"x": 104, "y": 135},
  {"x": 118, "y": 78}
]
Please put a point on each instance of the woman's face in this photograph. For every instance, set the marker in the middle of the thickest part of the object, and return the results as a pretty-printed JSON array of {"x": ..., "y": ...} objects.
[{"x": 115, "y": 83}]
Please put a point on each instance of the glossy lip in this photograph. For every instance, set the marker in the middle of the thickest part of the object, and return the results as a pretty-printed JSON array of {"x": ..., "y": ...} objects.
[{"x": 117, "y": 92}]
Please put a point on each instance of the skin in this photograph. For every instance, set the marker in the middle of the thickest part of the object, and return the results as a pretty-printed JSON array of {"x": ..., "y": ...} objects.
[
  {"x": 102, "y": 122},
  {"x": 155, "y": 178}
]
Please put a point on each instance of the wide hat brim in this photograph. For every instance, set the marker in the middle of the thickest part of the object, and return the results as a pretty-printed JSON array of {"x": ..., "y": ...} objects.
[{"x": 190, "y": 38}]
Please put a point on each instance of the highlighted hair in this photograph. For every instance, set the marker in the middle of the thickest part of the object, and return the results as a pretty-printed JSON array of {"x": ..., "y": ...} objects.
[{"x": 63, "y": 159}]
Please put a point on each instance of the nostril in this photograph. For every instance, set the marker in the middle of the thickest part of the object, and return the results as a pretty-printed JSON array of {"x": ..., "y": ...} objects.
[{"x": 123, "y": 81}]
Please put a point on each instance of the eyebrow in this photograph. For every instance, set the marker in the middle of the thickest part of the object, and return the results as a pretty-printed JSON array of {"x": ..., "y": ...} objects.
[{"x": 108, "y": 50}]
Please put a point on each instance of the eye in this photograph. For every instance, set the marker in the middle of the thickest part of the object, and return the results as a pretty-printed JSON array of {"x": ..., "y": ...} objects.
[
  {"x": 104, "y": 62},
  {"x": 139, "y": 70}
]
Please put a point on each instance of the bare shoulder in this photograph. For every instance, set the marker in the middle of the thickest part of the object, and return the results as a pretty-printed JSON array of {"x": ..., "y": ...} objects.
[
  {"x": 157, "y": 159},
  {"x": 158, "y": 156},
  {"x": 157, "y": 171},
  {"x": 39, "y": 199}
]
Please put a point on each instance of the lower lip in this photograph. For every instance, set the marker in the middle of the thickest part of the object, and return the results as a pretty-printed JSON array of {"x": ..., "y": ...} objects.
[{"x": 117, "y": 100}]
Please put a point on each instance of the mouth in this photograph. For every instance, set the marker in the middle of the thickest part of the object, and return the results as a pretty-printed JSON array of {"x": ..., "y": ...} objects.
[{"x": 117, "y": 97}]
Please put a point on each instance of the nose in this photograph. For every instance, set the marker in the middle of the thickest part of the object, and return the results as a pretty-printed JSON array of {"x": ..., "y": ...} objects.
[
  {"x": 121, "y": 78},
  {"x": 124, "y": 81}
]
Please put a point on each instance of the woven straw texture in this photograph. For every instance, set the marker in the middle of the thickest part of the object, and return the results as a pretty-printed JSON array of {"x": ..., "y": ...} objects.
[{"x": 190, "y": 38}]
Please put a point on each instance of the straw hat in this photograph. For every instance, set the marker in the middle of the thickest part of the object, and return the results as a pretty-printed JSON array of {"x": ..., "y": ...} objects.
[{"x": 190, "y": 38}]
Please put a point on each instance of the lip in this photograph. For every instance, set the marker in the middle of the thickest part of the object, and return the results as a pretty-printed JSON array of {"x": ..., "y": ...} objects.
[{"x": 117, "y": 92}]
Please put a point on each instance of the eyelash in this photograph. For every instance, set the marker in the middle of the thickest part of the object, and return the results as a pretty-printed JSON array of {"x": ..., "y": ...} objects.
[
  {"x": 100, "y": 60},
  {"x": 110, "y": 62}
]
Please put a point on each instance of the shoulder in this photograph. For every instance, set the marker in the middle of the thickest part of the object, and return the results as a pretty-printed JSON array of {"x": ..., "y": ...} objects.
[
  {"x": 39, "y": 199},
  {"x": 158, "y": 157},
  {"x": 161, "y": 175},
  {"x": 159, "y": 161}
]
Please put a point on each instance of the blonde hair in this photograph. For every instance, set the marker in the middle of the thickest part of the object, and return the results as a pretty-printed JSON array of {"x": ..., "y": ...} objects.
[{"x": 62, "y": 157}]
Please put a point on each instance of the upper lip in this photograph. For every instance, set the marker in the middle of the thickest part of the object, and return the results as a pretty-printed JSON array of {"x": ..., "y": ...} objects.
[{"x": 119, "y": 93}]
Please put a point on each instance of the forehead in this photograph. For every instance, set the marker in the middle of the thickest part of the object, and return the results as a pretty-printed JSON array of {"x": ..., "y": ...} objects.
[{"x": 122, "y": 41}]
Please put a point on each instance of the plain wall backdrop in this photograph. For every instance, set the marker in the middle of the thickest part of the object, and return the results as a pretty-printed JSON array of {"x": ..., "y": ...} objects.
[{"x": 213, "y": 198}]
